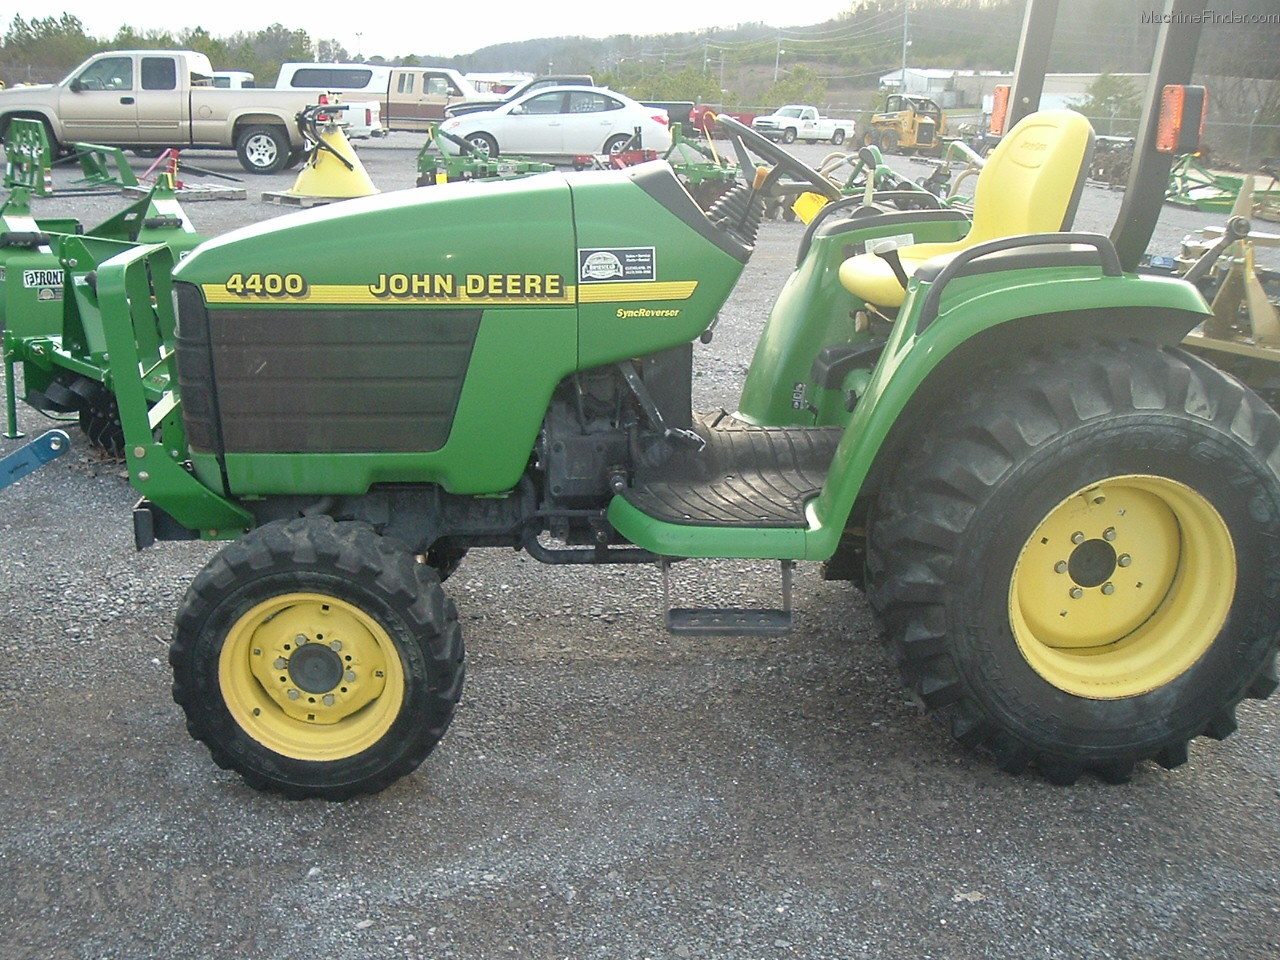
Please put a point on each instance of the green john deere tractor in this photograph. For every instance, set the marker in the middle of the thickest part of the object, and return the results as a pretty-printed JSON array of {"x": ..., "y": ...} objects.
[{"x": 1068, "y": 526}]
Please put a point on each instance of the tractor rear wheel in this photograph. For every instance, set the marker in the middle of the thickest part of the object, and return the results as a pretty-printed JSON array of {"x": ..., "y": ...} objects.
[
  {"x": 1078, "y": 567},
  {"x": 317, "y": 659}
]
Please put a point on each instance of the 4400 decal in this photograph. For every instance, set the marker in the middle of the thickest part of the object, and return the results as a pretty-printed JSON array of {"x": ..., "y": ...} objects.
[{"x": 412, "y": 285}]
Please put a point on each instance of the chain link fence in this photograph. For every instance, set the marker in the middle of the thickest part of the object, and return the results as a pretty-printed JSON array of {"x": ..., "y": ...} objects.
[{"x": 1240, "y": 144}]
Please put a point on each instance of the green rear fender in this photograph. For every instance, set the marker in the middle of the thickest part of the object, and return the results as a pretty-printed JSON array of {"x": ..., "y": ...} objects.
[{"x": 982, "y": 318}]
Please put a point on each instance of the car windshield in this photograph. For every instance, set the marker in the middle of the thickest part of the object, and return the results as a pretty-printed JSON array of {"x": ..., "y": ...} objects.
[{"x": 789, "y": 112}]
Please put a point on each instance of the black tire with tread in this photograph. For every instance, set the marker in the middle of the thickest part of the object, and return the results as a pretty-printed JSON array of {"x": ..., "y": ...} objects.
[
  {"x": 615, "y": 144},
  {"x": 948, "y": 528},
  {"x": 788, "y": 135},
  {"x": 837, "y": 138},
  {"x": 483, "y": 144},
  {"x": 249, "y": 136},
  {"x": 347, "y": 560}
]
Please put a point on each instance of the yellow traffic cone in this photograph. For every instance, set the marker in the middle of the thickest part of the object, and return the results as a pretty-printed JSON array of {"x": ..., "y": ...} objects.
[{"x": 333, "y": 171}]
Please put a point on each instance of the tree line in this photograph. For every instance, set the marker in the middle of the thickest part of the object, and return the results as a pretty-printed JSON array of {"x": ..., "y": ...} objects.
[{"x": 45, "y": 49}]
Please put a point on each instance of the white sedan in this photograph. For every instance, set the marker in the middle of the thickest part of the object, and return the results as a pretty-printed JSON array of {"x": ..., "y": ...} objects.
[{"x": 561, "y": 121}]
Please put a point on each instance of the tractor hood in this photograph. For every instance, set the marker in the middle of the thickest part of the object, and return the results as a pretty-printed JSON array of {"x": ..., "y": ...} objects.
[
  {"x": 357, "y": 335},
  {"x": 630, "y": 249}
]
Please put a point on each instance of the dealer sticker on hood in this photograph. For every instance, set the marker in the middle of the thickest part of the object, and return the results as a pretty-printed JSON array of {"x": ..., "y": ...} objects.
[{"x": 604, "y": 264}]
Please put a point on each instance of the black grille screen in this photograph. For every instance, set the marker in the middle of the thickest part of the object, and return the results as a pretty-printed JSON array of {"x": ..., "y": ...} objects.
[{"x": 331, "y": 381}]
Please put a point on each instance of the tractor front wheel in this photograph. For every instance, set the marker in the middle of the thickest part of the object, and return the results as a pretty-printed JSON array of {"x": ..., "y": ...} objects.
[
  {"x": 317, "y": 659},
  {"x": 1078, "y": 568}
]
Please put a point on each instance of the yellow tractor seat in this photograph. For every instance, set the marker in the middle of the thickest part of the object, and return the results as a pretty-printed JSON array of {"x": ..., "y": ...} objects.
[{"x": 1031, "y": 183}]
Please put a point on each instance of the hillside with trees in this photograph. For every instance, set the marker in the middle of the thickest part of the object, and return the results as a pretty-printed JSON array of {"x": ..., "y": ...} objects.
[{"x": 834, "y": 63}]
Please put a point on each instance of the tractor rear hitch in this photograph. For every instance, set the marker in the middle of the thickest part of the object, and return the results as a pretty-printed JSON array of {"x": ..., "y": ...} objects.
[{"x": 32, "y": 456}]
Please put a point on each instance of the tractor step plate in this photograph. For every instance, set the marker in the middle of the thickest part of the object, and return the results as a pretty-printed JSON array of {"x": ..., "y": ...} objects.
[{"x": 728, "y": 621}]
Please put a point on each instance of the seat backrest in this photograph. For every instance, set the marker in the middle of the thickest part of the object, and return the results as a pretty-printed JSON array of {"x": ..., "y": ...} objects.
[{"x": 1032, "y": 181}]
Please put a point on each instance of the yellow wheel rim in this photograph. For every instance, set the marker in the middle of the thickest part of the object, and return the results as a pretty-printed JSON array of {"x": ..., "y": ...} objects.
[
  {"x": 311, "y": 677},
  {"x": 1122, "y": 587}
]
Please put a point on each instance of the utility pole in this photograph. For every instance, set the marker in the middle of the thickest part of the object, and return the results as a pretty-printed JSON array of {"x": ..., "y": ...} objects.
[
  {"x": 777, "y": 58},
  {"x": 906, "y": 42}
]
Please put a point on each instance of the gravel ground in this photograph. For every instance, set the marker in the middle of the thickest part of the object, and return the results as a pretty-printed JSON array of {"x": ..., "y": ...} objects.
[{"x": 605, "y": 790}]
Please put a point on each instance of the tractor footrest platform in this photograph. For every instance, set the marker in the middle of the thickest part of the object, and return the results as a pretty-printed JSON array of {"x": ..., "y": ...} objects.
[{"x": 745, "y": 476}]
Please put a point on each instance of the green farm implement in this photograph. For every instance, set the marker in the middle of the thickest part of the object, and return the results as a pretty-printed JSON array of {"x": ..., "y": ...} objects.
[
  {"x": 436, "y": 165},
  {"x": 1068, "y": 525},
  {"x": 61, "y": 347},
  {"x": 704, "y": 173},
  {"x": 1192, "y": 184},
  {"x": 29, "y": 162}
]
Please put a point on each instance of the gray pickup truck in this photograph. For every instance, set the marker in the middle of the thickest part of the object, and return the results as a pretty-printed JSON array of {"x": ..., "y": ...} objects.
[{"x": 151, "y": 99}]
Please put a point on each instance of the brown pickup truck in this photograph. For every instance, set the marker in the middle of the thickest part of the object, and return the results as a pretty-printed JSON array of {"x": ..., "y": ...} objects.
[{"x": 163, "y": 98}]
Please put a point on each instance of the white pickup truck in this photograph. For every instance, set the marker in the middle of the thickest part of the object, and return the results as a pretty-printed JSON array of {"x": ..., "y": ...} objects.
[
  {"x": 148, "y": 99},
  {"x": 799, "y": 121},
  {"x": 408, "y": 98}
]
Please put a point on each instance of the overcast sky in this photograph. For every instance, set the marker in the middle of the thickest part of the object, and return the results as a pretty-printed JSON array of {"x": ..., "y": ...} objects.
[{"x": 394, "y": 28}]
